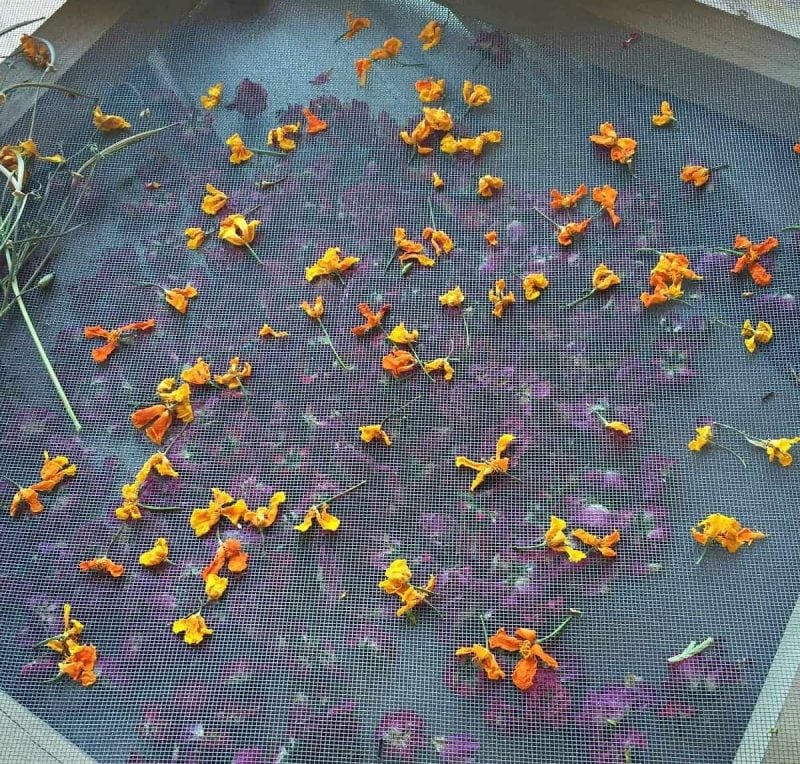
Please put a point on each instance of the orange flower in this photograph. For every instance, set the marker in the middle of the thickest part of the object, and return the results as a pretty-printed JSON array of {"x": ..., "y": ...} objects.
[
  {"x": 313, "y": 123},
  {"x": 796, "y": 148},
  {"x": 114, "y": 336},
  {"x": 488, "y": 184},
  {"x": 483, "y": 658},
  {"x": 421, "y": 132},
  {"x": 667, "y": 277},
  {"x": 156, "y": 555},
  {"x": 483, "y": 469},
  {"x": 475, "y": 95},
  {"x": 606, "y": 197},
  {"x": 355, "y": 24},
  {"x": 53, "y": 471},
  {"x": 665, "y": 117},
  {"x": 194, "y": 237},
  {"x": 199, "y": 374},
  {"x": 222, "y": 504},
  {"x": 315, "y": 311},
  {"x": 280, "y": 137},
  {"x": 531, "y": 652},
  {"x": 79, "y": 664},
  {"x": 238, "y": 231},
  {"x": 264, "y": 517},
  {"x": 696, "y": 174},
  {"x": 453, "y": 298},
  {"x": 491, "y": 238},
  {"x": 389, "y": 49},
  {"x": 321, "y": 516},
  {"x": 214, "y": 200},
  {"x": 239, "y": 152},
  {"x": 268, "y": 332},
  {"x": 450, "y": 145},
  {"x": 35, "y": 51},
  {"x": 157, "y": 419},
  {"x": 102, "y": 565},
  {"x": 193, "y": 628},
  {"x": 212, "y": 98},
  {"x": 436, "y": 180},
  {"x": 372, "y": 319},
  {"x": 750, "y": 256},
  {"x": 370, "y": 432},
  {"x": 725, "y": 531},
  {"x": 556, "y": 539},
  {"x": 621, "y": 149},
  {"x": 618, "y": 428},
  {"x": 405, "y": 245},
  {"x": 430, "y": 35},
  {"x": 559, "y": 201},
  {"x": 25, "y": 497},
  {"x": 604, "y": 278},
  {"x": 437, "y": 119},
  {"x": 499, "y": 298},
  {"x": 567, "y": 232},
  {"x": 72, "y": 630},
  {"x": 398, "y": 362},
  {"x": 229, "y": 553},
  {"x": 130, "y": 510},
  {"x": 236, "y": 372},
  {"x": 429, "y": 90},
  {"x": 440, "y": 241},
  {"x": 533, "y": 284},
  {"x": 107, "y": 123},
  {"x": 363, "y": 65},
  {"x": 442, "y": 365},
  {"x": 604, "y": 545},
  {"x": 330, "y": 263},
  {"x": 661, "y": 294},
  {"x": 179, "y": 297},
  {"x": 397, "y": 581}
]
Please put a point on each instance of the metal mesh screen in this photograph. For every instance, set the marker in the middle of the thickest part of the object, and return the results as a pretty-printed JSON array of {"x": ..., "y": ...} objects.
[{"x": 308, "y": 662}]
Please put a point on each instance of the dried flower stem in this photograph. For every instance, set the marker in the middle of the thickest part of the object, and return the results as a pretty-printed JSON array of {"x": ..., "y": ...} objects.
[
  {"x": 330, "y": 344},
  {"x": 344, "y": 493},
  {"x": 399, "y": 409},
  {"x": 548, "y": 219},
  {"x": 580, "y": 299},
  {"x": 573, "y": 613}
]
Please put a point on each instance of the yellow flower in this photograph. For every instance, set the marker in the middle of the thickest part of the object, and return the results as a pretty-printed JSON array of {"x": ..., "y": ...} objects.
[
  {"x": 194, "y": 238},
  {"x": 193, "y": 628},
  {"x": 315, "y": 311},
  {"x": 705, "y": 435},
  {"x": 436, "y": 180},
  {"x": 453, "y": 298},
  {"x": 762, "y": 334},
  {"x": 397, "y": 575},
  {"x": 355, "y": 25},
  {"x": 268, "y": 332},
  {"x": 437, "y": 119},
  {"x": 370, "y": 432},
  {"x": 499, "y": 463},
  {"x": 556, "y": 539},
  {"x": 107, "y": 123},
  {"x": 215, "y": 586},
  {"x": 235, "y": 373},
  {"x": 488, "y": 184},
  {"x": 237, "y": 231},
  {"x": 726, "y": 531},
  {"x": 280, "y": 137},
  {"x": 429, "y": 90},
  {"x": 778, "y": 449},
  {"x": 239, "y": 152},
  {"x": 440, "y": 241},
  {"x": 157, "y": 554},
  {"x": 499, "y": 298},
  {"x": 620, "y": 428},
  {"x": 401, "y": 336},
  {"x": 222, "y": 504},
  {"x": 320, "y": 514},
  {"x": 214, "y": 200},
  {"x": 533, "y": 284},
  {"x": 450, "y": 145},
  {"x": 398, "y": 581},
  {"x": 213, "y": 97},
  {"x": 330, "y": 263},
  {"x": 264, "y": 517},
  {"x": 440, "y": 364},
  {"x": 430, "y": 35},
  {"x": 179, "y": 297},
  {"x": 665, "y": 117},
  {"x": 475, "y": 95},
  {"x": 198, "y": 374},
  {"x": 604, "y": 278},
  {"x": 389, "y": 49}
]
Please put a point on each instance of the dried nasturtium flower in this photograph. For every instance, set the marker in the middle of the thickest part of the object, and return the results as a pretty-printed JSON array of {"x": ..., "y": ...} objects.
[
  {"x": 363, "y": 65},
  {"x": 442, "y": 244},
  {"x": 281, "y": 137},
  {"x": 355, "y": 25},
  {"x": 222, "y": 504},
  {"x": 267, "y": 332},
  {"x": 214, "y": 200},
  {"x": 156, "y": 555},
  {"x": 232, "y": 377},
  {"x": 533, "y": 284},
  {"x": 440, "y": 365},
  {"x": 695, "y": 174},
  {"x": 102, "y": 565},
  {"x": 666, "y": 279},
  {"x": 530, "y": 651},
  {"x": 725, "y": 531},
  {"x": 665, "y": 116},
  {"x": 484, "y": 658},
  {"x": 559, "y": 201},
  {"x": 179, "y": 297},
  {"x": 198, "y": 374},
  {"x": 761, "y": 335},
  {"x": 314, "y": 124},
  {"x": 483, "y": 469},
  {"x": 390, "y": 49},
  {"x": 330, "y": 264},
  {"x": 212, "y": 98},
  {"x": 372, "y": 319},
  {"x": 408, "y": 249},
  {"x": 239, "y": 152},
  {"x": 606, "y": 197},
  {"x": 238, "y": 231},
  {"x": 604, "y": 545},
  {"x": 453, "y": 298},
  {"x": 622, "y": 150},
  {"x": 436, "y": 180},
  {"x": 35, "y": 51},
  {"x": 750, "y": 255},
  {"x": 556, "y": 539},
  {"x": 500, "y": 298},
  {"x": 52, "y": 472},
  {"x": 431, "y": 35},
  {"x": 398, "y": 362},
  {"x": 78, "y": 664},
  {"x": 193, "y": 628},
  {"x": 264, "y": 517},
  {"x": 107, "y": 123},
  {"x": 429, "y": 90},
  {"x": 402, "y": 336},
  {"x": 321, "y": 516},
  {"x": 130, "y": 509},
  {"x": 370, "y": 432},
  {"x": 475, "y": 145},
  {"x": 704, "y": 434},
  {"x": 489, "y": 184},
  {"x": 475, "y": 95},
  {"x": 195, "y": 237},
  {"x": 568, "y": 232},
  {"x": 122, "y": 335},
  {"x": 315, "y": 311},
  {"x": 397, "y": 581},
  {"x": 175, "y": 404},
  {"x": 490, "y": 237}
]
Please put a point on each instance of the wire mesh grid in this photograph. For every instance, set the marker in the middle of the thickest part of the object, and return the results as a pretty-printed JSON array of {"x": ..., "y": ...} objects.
[{"x": 308, "y": 662}]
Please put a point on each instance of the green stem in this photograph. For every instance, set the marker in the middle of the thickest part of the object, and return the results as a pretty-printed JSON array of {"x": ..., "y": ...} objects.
[
  {"x": 730, "y": 451},
  {"x": 563, "y": 625},
  {"x": 580, "y": 299},
  {"x": 118, "y": 146},
  {"x": 433, "y": 217},
  {"x": 344, "y": 493},
  {"x": 548, "y": 219},
  {"x": 466, "y": 333},
  {"x": 252, "y": 252},
  {"x": 733, "y": 429},
  {"x": 330, "y": 344},
  {"x": 389, "y": 261},
  {"x": 20, "y": 24},
  {"x": 43, "y": 85},
  {"x": 482, "y": 619},
  {"x": 419, "y": 361},
  {"x": 702, "y": 556},
  {"x": 398, "y": 410}
]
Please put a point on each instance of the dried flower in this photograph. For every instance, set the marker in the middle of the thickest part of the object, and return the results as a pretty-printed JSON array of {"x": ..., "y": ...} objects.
[
  {"x": 604, "y": 545},
  {"x": 695, "y": 174},
  {"x": 212, "y": 98},
  {"x": 533, "y": 284},
  {"x": 442, "y": 365},
  {"x": 483, "y": 469},
  {"x": 102, "y": 565},
  {"x": 453, "y": 298},
  {"x": 199, "y": 374},
  {"x": 130, "y": 510},
  {"x": 156, "y": 555},
  {"x": 430, "y": 35},
  {"x": 556, "y": 539},
  {"x": 725, "y": 531},
  {"x": 749, "y": 256},
  {"x": 398, "y": 362},
  {"x": 402, "y": 336},
  {"x": 363, "y": 65},
  {"x": 267, "y": 332},
  {"x": 429, "y": 90},
  {"x": 35, "y": 51},
  {"x": 72, "y": 630},
  {"x": 531, "y": 652},
  {"x": 397, "y": 582},
  {"x": 485, "y": 659},
  {"x": 370, "y": 432},
  {"x": 321, "y": 516},
  {"x": 664, "y": 117},
  {"x": 762, "y": 334},
  {"x": 331, "y": 263},
  {"x": 442, "y": 244},
  {"x": 499, "y": 298},
  {"x": 52, "y": 472},
  {"x": 175, "y": 403},
  {"x": 79, "y": 664},
  {"x": 475, "y": 95},
  {"x": 666, "y": 279},
  {"x": 704, "y": 436},
  {"x": 355, "y": 25},
  {"x": 114, "y": 337},
  {"x": 237, "y": 231},
  {"x": 451, "y": 145},
  {"x": 389, "y": 49},
  {"x": 489, "y": 184},
  {"x": 107, "y": 123},
  {"x": 567, "y": 232},
  {"x": 264, "y": 517},
  {"x": 194, "y": 237},
  {"x": 179, "y": 297},
  {"x": 315, "y": 311},
  {"x": 214, "y": 200},
  {"x": 437, "y": 119},
  {"x": 606, "y": 197},
  {"x": 280, "y": 137},
  {"x": 222, "y": 504},
  {"x": 559, "y": 201},
  {"x": 372, "y": 319},
  {"x": 436, "y": 180},
  {"x": 622, "y": 150},
  {"x": 235, "y": 373},
  {"x": 490, "y": 237},
  {"x": 239, "y": 152},
  {"x": 193, "y": 628}
]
